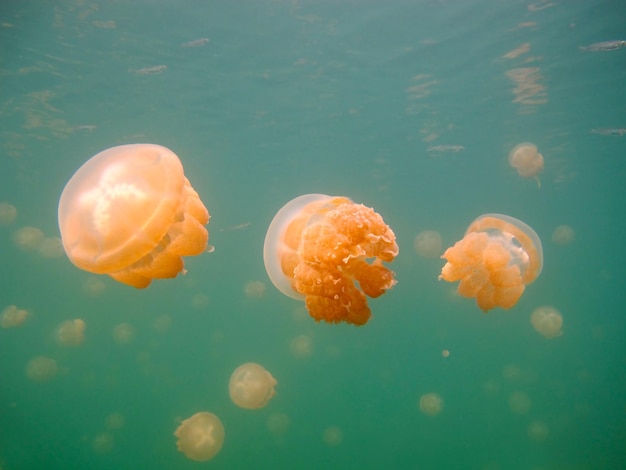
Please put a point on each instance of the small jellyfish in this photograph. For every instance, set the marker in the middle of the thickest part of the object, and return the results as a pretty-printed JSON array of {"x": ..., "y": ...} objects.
[
  {"x": 431, "y": 404},
  {"x": 28, "y": 238},
  {"x": 301, "y": 346},
  {"x": 115, "y": 421},
  {"x": 123, "y": 333},
  {"x": 548, "y": 321},
  {"x": 8, "y": 213},
  {"x": 519, "y": 403},
  {"x": 428, "y": 244},
  {"x": 255, "y": 289},
  {"x": 527, "y": 161},
  {"x": 41, "y": 369},
  {"x": 200, "y": 437},
  {"x": 278, "y": 423},
  {"x": 498, "y": 257},
  {"x": 251, "y": 386},
  {"x": 103, "y": 443},
  {"x": 71, "y": 332},
  {"x": 12, "y": 316},
  {"x": 329, "y": 252},
  {"x": 333, "y": 436},
  {"x": 563, "y": 235},
  {"x": 129, "y": 212},
  {"x": 538, "y": 431},
  {"x": 51, "y": 247}
]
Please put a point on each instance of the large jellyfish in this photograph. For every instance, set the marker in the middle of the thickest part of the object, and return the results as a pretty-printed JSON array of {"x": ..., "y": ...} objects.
[
  {"x": 498, "y": 257},
  {"x": 251, "y": 386},
  {"x": 527, "y": 161},
  {"x": 129, "y": 212},
  {"x": 200, "y": 437},
  {"x": 329, "y": 252}
]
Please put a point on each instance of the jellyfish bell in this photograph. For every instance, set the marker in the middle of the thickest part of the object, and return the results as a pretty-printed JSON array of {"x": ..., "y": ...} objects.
[
  {"x": 129, "y": 212},
  {"x": 548, "y": 321},
  {"x": 12, "y": 316},
  {"x": 8, "y": 213},
  {"x": 41, "y": 369},
  {"x": 431, "y": 404},
  {"x": 251, "y": 386},
  {"x": 495, "y": 261},
  {"x": 563, "y": 235},
  {"x": 318, "y": 248},
  {"x": 428, "y": 244},
  {"x": 200, "y": 437},
  {"x": 71, "y": 332},
  {"x": 527, "y": 161}
]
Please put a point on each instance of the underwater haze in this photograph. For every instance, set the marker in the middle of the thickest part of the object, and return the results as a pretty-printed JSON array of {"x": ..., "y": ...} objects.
[{"x": 412, "y": 108}]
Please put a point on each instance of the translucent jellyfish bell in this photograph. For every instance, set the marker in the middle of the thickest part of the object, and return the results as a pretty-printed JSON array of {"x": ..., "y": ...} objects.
[
  {"x": 251, "y": 386},
  {"x": 129, "y": 212},
  {"x": 527, "y": 160},
  {"x": 318, "y": 248},
  {"x": 498, "y": 257},
  {"x": 200, "y": 437}
]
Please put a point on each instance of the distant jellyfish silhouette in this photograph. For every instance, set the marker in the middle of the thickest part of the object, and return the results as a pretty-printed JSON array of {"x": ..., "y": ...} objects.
[
  {"x": 329, "y": 252},
  {"x": 428, "y": 244},
  {"x": 495, "y": 261},
  {"x": 563, "y": 235},
  {"x": 71, "y": 332},
  {"x": 431, "y": 404},
  {"x": 28, "y": 238},
  {"x": 8, "y": 213},
  {"x": 129, "y": 212},
  {"x": 528, "y": 162},
  {"x": 41, "y": 369},
  {"x": 12, "y": 316},
  {"x": 251, "y": 386},
  {"x": 548, "y": 321},
  {"x": 200, "y": 437}
]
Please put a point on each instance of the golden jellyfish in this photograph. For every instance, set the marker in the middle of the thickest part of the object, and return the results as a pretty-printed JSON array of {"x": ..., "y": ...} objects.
[
  {"x": 251, "y": 386},
  {"x": 200, "y": 437},
  {"x": 329, "y": 252},
  {"x": 123, "y": 333},
  {"x": 115, "y": 421},
  {"x": 333, "y": 436},
  {"x": 51, "y": 247},
  {"x": 254, "y": 289},
  {"x": 8, "y": 213},
  {"x": 563, "y": 235},
  {"x": 519, "y": 403},
  {"x": 538, "y": 431},
  {"x": 103, "y": 443},
  {"x": 428, "y": 244},
  {"x": 548, "y": 321},
  {"x": 41, "y": 369},
  {"x": 278, "y": 423},
  {"x": 28, "y": 238},
  {"x": 129, "y": 212},
  {"x": 431, "y": 404},
  {"x": 71, "y": 332},
  {"x": 495, "y": 261},
  {"x": 527, "y": 161},
  {"x": 12, "y": 316},
  {"x": 301, "y": 346}
]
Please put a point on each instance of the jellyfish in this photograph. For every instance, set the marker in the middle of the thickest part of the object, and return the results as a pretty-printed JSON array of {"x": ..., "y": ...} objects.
[
  {"x": 548, "y": 321},
  {"x": 251, "y": 386},
  {"x": 498, "y": 257},
  {"x": 115, "y": 421},
  {"x": 254, "y": 289},
  {"x": 333, "y": 436},
  {"x": 431, "y": 404},
  {"x": 71, "y": 332},
  {"x": 200, "y": 437},
  {"x": 41, "y": 369},
  {"x": 563, "y": 235},
  {"x": 28, "y": 238},
  {"x": 12, "y": 316},
  {"x": 527, "y": 161},
  {"x": 519, "y": 403},
  {"x": 329, "y": 252},
  {"x": 129, "y": 212},
  {"x": 428, "y": 244},
  {"x": 301, "y": 346},
  {"x": 123, "y": 333},
  {"x": 8, "y": 213}
]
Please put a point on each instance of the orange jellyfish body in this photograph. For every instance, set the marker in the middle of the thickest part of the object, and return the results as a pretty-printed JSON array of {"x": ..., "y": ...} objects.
[
  {"x": 498, "y": 257},
  {"x": 527, "y": 160},
  {"x": 317, "y": 249},
  {"x": 129, "y": 212}
]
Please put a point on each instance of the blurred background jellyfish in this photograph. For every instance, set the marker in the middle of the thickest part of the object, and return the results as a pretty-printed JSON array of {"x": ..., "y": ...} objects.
[
  {"x": 200, "y": 437},
  {"x": 519, "y": 403},
  {"x": 8, "y": 213},
  {"x": 129, "y": 212},
  {"x": 317, "y": 249},
  {"x": 548, "y": 321},
  {"x": 115, "y": 421},
  {"x": 71, "y": 332},
  {"x": 494, "y": 262},
  {"x": 123, "y": 333},
  {"x": 333, "y": 436},
  {"x": 41, "y": 369},
  {"x": 431, "y": 404},
  {"x": 28, "y": 238},
  {"x": 527, "y": 161},
  {"x": 563, "y": 235},
  {"x": 12, "y": 316},
  {"x": 301, "y": 346},
  {"x": 255, "y": 289},
  {"x": 251, "y": 386},
  {"x": 428, "y": 244}
]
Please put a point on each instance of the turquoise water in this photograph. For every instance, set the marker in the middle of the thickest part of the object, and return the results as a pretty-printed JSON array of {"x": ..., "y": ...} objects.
[{"x": 340, "y": 98}]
